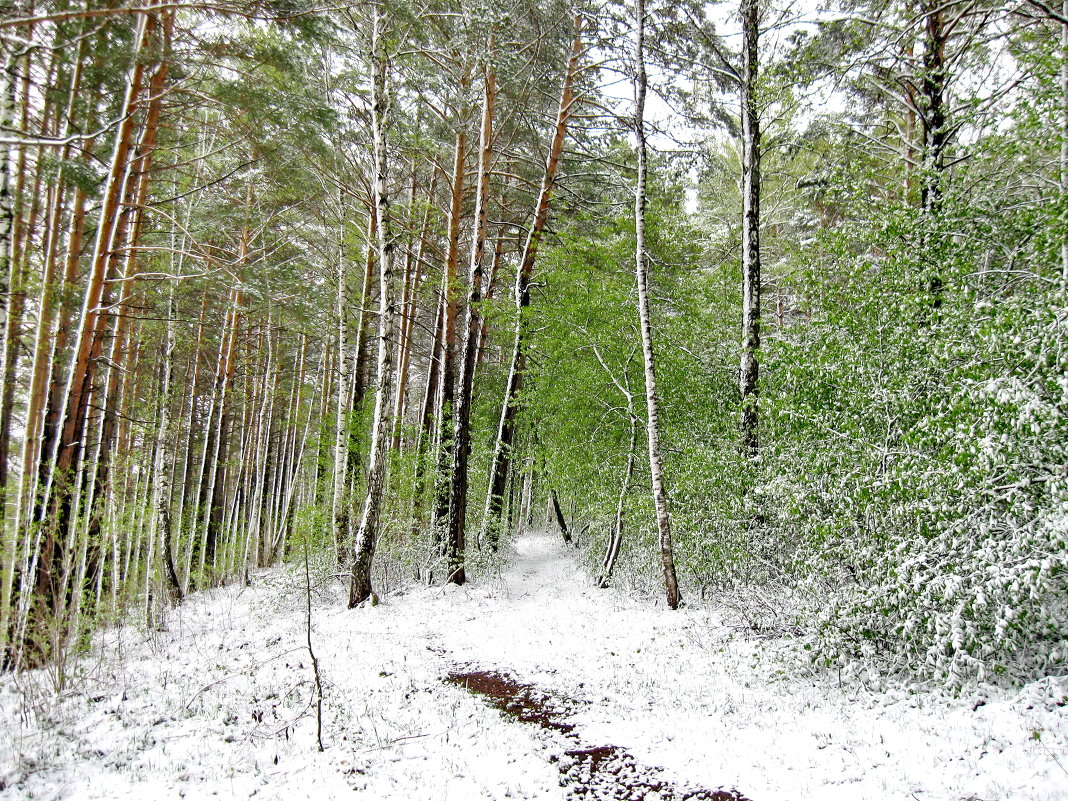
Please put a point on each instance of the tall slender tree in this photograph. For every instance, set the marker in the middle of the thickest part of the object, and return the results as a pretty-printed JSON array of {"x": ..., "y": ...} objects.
[
  {"x": 660, "y": 496},
  {"x": 360, "y": 588},
  {"x": 750, "y": 118},
  {"x": 502, "y": 453}
]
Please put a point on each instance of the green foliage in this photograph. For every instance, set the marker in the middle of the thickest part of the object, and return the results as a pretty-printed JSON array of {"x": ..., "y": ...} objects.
[{"x": 915, "y": 442}]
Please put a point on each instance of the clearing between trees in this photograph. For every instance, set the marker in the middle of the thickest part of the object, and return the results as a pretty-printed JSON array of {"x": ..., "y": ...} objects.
[{"x": 584, "y": 693}]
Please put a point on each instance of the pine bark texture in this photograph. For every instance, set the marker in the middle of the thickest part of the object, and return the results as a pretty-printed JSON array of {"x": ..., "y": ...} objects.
[
  {"x": 502, "y": 453},
  {"x": 458, "y": 479}
]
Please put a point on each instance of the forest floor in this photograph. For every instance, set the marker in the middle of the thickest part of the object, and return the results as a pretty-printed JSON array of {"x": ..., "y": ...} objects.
[{"x": 531, "y": 685}]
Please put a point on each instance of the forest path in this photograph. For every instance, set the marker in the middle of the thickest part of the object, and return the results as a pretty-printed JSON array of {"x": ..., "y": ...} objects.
[
  {"x": 543, "y": 608},
  {"x": 221, "y": 704},
  {"x": 552, "y": 614}
]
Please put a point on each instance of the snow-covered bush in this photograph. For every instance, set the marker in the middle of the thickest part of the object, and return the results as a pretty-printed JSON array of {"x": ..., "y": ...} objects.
[{"x": 915, "y": 472}]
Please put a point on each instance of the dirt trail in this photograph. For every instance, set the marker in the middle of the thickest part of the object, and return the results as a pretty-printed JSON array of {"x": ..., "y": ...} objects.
[{"x": 588, "y": 770}]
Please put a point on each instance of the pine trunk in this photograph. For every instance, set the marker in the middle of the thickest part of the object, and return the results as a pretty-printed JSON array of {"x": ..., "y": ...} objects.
[
  {"x": 502, "y": 452},
  {"x": 447, "y": 385},
  {"x": 457, "y": 518}
]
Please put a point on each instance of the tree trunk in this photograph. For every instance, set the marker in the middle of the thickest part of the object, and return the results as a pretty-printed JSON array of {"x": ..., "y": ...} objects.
[
  {"x": 8, "y": 268},
  {"x": 161, "y": 490},
  {"x": 933, "y": 83},
  {"x": 447, "y": 385},
  {"x": 1064, "y": 140},
  {"x": 502, "y": 452},
  {"x": 343, "y": 420},
  {"x": 750, "y": 370},
  {"x": 455, "y": 532},
  {"x": 216, "y": 440},
  {"x": 128, "y": 232},
  {"x": 565, "y": 532},
  {"x": 426, "y": 418},
  {"x": 413, "y": 272},
  {"x": 933, "y": 99},
  {"x": 660, "y": 499},
  {"x": 491, "y": 280},
  {"x": 68, "y": 438},
  {"x": 615, "y": 539},
  {"x": 8, "y": 81},
  {"x": 367, "y": 536}
]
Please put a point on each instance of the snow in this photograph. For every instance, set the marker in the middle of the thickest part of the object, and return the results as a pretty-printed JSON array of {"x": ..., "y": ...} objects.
[{"x": 221, "y": 703}]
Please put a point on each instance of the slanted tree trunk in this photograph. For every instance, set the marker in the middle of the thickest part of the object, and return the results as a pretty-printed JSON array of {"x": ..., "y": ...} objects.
[
  {"x": 495, "y": 263},
  {"x": 455, "y": 532},
  {"x": 660, "y": 499},
  {"x": 216, "y": 439},
  {"x": 750, "y": 370},
  {"x": 8, "y": 267},
  {"x": 561, "y": 521},
  {"x": 615, "y": 538},
  {"x": 14, "y": 264},
  {"x": 502, "y": 452},
  {"x": 413, "y": 273},
  {"x": 367, "y": 536},
  {"x": 128, "y": 233}
]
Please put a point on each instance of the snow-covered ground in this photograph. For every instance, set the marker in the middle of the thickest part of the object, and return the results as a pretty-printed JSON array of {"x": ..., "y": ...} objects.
[{"x": 221, "y": 704}]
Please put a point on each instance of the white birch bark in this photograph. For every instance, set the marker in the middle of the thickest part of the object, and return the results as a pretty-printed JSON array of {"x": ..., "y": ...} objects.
[
  {"x": 367, "y": 535},
  {"x": 660, "y": 499},
  {"x": 750, "y": 367},
  {"x": 1064, "y": 138}
]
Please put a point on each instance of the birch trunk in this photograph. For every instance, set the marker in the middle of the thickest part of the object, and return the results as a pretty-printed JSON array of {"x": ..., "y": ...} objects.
[
  {"x": 67, "y": 439},
  {"x": 360, "y": 589},
  {"x": 1064, "y": 138},
  {"x": 8, "y": 83},
  {"x": 19, "y": 256},
  {"x": 343, "y": 421},
  {"x": 426, "y": 419},
  {"x": 215, "y": 442},
  {"x": 660, "y": 499},
  {"x": 412, "y": 316},
  {"x": 615, "y": 539},
  {"x": 750, "y": 368},
  {"x": 161, "y": 463}
]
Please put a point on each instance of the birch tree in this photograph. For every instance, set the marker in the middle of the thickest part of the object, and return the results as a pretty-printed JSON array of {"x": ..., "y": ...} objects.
[
  {"x": 367, "y": 534},
  {"x": 660, "y": 497}
]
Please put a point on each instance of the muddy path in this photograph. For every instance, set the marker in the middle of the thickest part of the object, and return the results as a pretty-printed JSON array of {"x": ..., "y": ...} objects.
[{"x": 587, "y": 771}]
